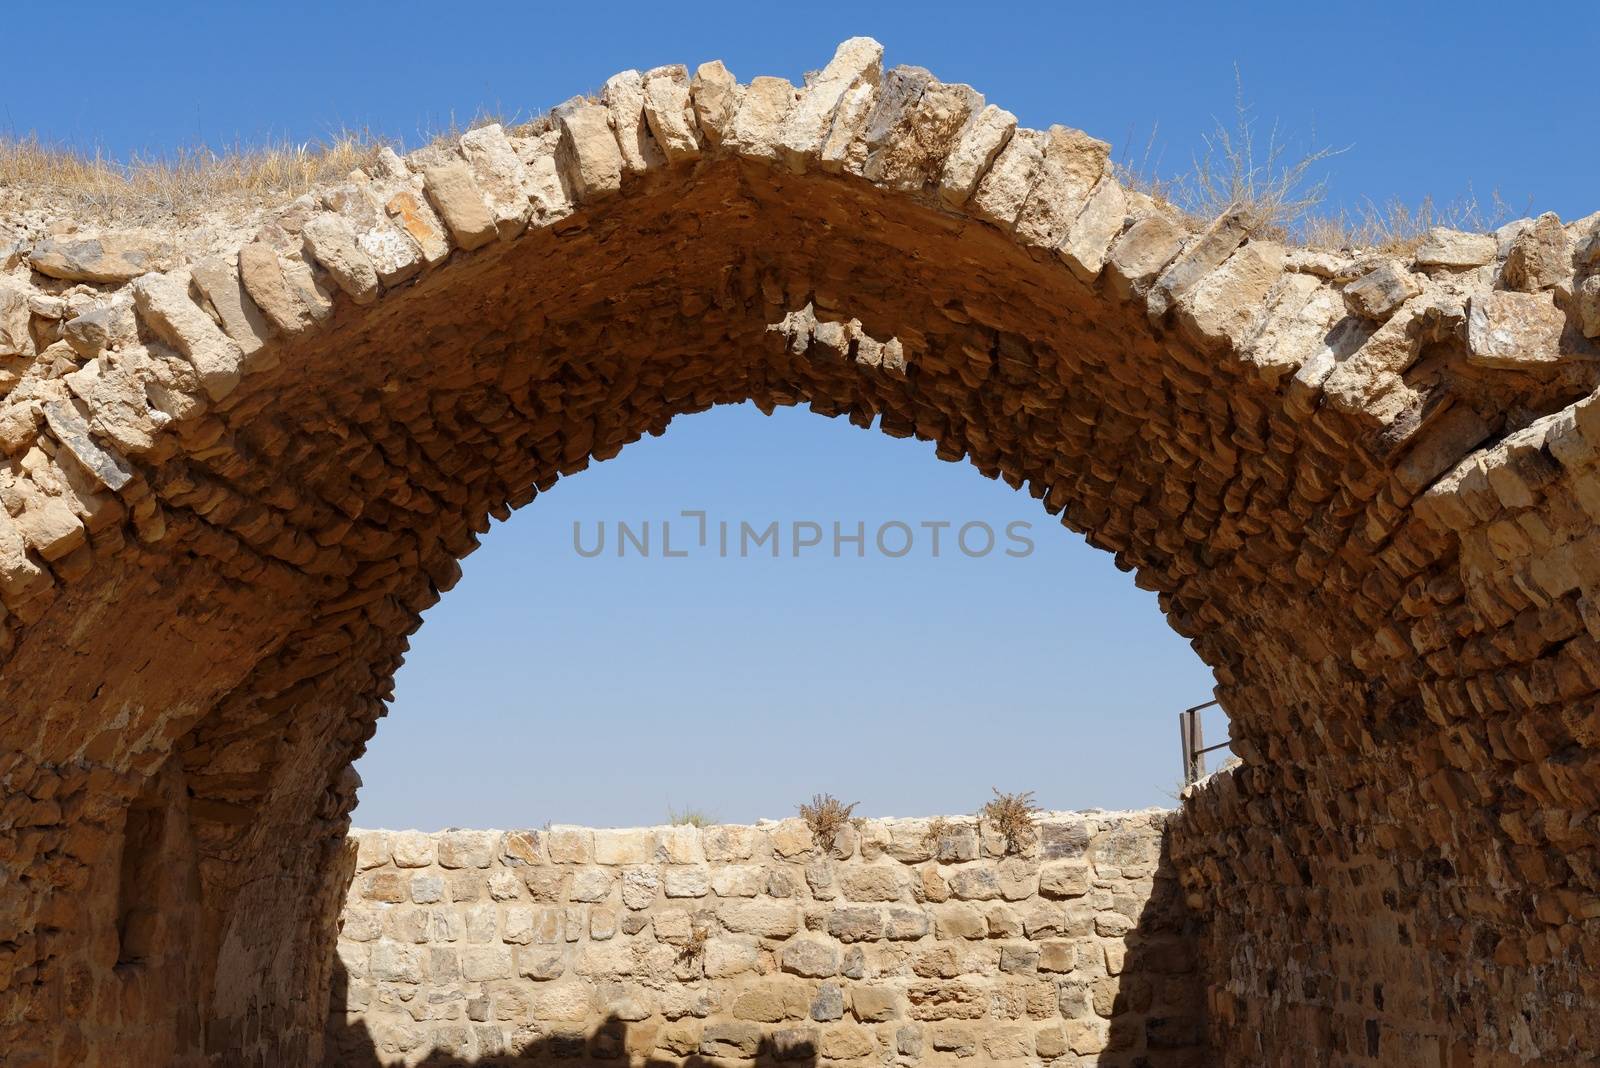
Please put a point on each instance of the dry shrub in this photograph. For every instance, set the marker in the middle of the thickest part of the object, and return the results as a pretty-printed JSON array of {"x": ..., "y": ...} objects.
[
  {"x": 695, "y": 947},
  {"x": 826, "y": 815},
  {"x": 1282, "y": 190},
  {"x": 1015, "y": 816},
  {"x": 938, "y": 827},
  {"x": 689, "y": 817}
]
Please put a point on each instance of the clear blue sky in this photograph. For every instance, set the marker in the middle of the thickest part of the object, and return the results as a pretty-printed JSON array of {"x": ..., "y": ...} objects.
[{"x": 547, "y": 686}]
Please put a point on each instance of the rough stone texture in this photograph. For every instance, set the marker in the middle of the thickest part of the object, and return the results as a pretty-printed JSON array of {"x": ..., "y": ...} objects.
[
  {"x": 1379, "y": 536},
  {"x": 1092, "y": 950}
]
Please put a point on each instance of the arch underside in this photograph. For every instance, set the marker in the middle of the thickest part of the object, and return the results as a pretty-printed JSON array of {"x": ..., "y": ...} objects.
[{"x": 1402, "y": 870}]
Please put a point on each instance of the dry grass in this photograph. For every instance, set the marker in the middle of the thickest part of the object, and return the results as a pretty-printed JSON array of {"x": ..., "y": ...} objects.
[
  {"x": 826, "y": 815},
  {"x": 1397, "y": 227},
  {"x": 938, "y": 827},
  {"x": 689, "y": 817},
  {"x": 176, "y": 188},
  {"x": 1283, "y": 189},
  {"x": 1015, "y": 816}
]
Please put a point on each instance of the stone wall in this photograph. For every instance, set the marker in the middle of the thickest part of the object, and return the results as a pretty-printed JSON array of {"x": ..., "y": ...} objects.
[{"x": 903, "y": 945}]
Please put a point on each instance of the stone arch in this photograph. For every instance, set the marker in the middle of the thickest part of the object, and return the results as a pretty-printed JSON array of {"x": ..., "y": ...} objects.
[{"x": 1359, "y": 483}]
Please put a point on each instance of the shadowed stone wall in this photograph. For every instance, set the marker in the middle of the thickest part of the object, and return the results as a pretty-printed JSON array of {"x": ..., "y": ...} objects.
[{"x": 907, "y": 943}]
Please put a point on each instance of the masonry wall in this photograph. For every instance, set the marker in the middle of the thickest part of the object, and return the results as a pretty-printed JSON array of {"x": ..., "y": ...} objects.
[{"x": 908, "y": 943}]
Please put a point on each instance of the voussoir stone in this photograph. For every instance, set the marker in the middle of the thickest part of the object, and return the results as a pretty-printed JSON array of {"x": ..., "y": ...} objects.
[
  {"x": 163, "y": 302},
  {"x": 460, "y": 203}
]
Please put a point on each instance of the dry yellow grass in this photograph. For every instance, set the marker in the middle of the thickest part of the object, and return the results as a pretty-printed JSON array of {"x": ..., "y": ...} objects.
[{"x": 95, "y": 189}]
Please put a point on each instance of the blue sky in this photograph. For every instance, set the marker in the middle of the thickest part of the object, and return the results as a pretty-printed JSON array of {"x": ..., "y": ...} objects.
[{"x": 549, "y": 686}]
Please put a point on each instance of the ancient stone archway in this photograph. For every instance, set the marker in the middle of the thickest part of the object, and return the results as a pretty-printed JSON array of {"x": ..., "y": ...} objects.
[{"x": 1361, "y": 483}]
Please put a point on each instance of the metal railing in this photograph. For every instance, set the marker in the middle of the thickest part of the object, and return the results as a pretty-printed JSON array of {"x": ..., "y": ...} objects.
[{"x": 1194, "y": 744}]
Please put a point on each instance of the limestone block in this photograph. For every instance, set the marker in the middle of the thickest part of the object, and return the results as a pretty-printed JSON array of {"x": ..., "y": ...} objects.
[
  {"x": 915, "y": 122},
  {"x": 670, "y": 113},
  {"x": 1204, "y": 254},
  {"x": 1443, "y": 247},
  {"x": 218, "y": 280},
  {"x": 15, "y": 337},
  {"x": 108, "y": 258},
  {"x": 163, "y": 302},
  {"x": 1540, "y": 256},
  {"x": 1143, "y": 251},
  {"x": 757, "y": 126},
  {"x": 455, "y": 194},
  {"x": 1220, "y": 310},
  {"x": 1089, "y": 237},
  {"x": 623, "y": 96},
  {"x": 1376, "y": 294},
  {"x": 331, "y": 241},
  {"x": 715, "y": 96},
  {"x": 1005, "y": 188},
  {"x": 1072, "y": 164},
  {"x": 857, "y": 62},
  {"x": 589, "y": 156},
  {"x": 1508, "y": 329},
  {"x": 979, "y": 145},
  {"x": 544, "y": 181},
  {"x": 500, "y": 173}
]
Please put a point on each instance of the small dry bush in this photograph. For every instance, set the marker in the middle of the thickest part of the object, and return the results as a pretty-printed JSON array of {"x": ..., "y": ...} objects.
[
  {"x": 695, "y": 947},
  {"x": 938, "y": 827},
  {"x": 1015, "y": 816},
  {"x": 689, "y": 817},
  {"x": 826, "y": 815},
  {"x": 1281, "y": 187}
]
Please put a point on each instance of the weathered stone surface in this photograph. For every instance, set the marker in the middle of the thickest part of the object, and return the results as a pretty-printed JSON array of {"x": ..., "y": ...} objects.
[
  {"x": 974, "y": 153},
  {"x": 1138, "y": 257},
  {"x": 332, "y": 241},
  {"x": 1540, "y": 256},
  {"x": 1089, "y": 237},
  {"x": 757, "y": 125},
  {"x": 715, "y": 94},
  {"x": 163, "y": 302},
  {"x": 857, "y": 65},
  {"x": 668, "y": 110},
  {"x": 1376, "y": 294},
  {"x": 113, "y": 257},
  {"x": 455, "y": 195},
  {"x": 623, "y": 96},
  {"x": 589, "y": 155},
  {"x": 1454, "y": 248},
  {"x": 1220, "y": 310},
  {"x": 1071, "y": 165},
  {"x": 500, "y": 173},
  {"x": 1513, "y": 330},
  {"x": 915, "y": 121},
  {"x": 1200, "y": 256},
  {"x": 15, "y": 337},
  {"x": 218, "y": 281},
  {"x": 1002, "y": 191},
  {"x": 1588, "y": 304}
]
